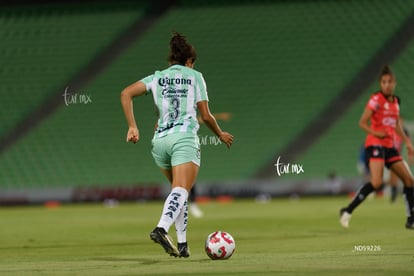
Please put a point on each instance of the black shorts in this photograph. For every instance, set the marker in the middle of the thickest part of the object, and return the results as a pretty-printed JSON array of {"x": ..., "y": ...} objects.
[{"x": 388, "y": 155}]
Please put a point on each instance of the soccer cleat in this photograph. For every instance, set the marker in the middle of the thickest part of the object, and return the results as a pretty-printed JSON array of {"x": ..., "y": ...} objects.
[
  {"x": 409, "y": 225},
  {"x": 161, "y": 237},
  {"x": 183, "y": 249},
  {"x": 345, "y": 217}
]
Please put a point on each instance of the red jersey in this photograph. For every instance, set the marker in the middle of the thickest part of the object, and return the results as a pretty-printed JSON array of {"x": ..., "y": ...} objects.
[{"x": 384, "y": 118}]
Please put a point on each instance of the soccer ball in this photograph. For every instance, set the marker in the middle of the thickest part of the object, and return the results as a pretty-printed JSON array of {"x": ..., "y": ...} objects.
[{"x": 220, "y": 245}]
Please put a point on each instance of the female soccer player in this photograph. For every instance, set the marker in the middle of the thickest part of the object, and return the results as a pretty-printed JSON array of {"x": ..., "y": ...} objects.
[
  {"x": 393, "y": 180},
  {"x": 382, "y": 111},
  {"x": 178, "y": 92}
]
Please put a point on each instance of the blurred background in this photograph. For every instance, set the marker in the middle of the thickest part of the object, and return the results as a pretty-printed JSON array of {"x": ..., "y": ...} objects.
[{"x": 289, "y": 79}]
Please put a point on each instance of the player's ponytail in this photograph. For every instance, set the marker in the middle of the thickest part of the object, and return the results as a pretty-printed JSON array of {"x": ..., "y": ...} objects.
[{"x": 180, "y": 50}]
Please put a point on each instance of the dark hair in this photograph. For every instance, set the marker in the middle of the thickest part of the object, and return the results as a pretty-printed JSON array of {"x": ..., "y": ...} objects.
[
  {"x": 386, "y": 70},
  {"x": 180, "y": 50}
]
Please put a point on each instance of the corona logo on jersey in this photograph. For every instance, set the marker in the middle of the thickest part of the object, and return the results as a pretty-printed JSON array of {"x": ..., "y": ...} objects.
[
  {"x": 171, "y": 81},
  {"x": 169, "y": 90}
]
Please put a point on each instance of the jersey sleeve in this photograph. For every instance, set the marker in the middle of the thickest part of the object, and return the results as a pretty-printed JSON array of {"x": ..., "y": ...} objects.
[
  {"x": 373, "y": 103},
  {"x": 148, "y": 81},
  {"x": 201, "y": 89}
]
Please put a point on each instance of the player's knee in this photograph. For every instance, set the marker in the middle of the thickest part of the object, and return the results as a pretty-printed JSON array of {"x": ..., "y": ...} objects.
[
  {"x": 376, "y": 184},
  {"x": 408, "y": 180}
]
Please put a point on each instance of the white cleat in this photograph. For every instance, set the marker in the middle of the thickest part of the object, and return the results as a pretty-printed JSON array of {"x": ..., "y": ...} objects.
[{"x": 345, "y": 218}]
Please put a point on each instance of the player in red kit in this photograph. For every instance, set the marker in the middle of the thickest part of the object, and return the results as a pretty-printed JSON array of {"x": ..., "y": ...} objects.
[{"x": 383, "y": 113}]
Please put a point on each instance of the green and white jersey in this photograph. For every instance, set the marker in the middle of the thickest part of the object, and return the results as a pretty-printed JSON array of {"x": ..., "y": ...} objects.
[{"x": 176, "y": 91}]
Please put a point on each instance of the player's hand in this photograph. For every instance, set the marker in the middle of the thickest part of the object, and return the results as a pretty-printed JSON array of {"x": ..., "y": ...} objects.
[
  {"x": 380, "y": 134},
  {"x": 132, "y": 135},
  {"x": 226, "y": 138}
]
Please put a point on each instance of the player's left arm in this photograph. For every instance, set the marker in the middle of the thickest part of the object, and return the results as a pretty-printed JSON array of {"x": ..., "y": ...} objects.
[
  {"x": 136, "y": 89},
  {"x": 400, "y": 131}
]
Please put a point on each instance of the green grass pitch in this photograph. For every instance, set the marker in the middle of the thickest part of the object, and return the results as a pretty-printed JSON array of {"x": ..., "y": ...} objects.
[{"x": 282, "y": 237}]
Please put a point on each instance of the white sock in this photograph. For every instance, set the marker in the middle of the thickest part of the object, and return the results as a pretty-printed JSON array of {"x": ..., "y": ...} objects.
[
  {"x": 181, "y": 224},
  {"x": 172, "y": 207}
]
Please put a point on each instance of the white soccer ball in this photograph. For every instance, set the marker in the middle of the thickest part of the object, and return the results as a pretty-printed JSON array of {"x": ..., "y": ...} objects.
[{"x": 220, "y": 245}]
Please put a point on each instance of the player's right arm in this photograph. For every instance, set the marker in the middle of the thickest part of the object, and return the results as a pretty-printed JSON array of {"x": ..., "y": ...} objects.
[
  {"x": 400, "y": 131},
  {"x": 136, "y": 89},
  {"x": 211, "y": 123}
]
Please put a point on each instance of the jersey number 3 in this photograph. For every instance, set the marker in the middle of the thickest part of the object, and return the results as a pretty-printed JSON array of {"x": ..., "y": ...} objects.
[{"x": 175, "y": 112}]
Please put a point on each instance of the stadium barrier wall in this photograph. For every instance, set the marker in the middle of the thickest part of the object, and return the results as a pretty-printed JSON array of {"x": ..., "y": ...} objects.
[{"x": 158, "y": 191}]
